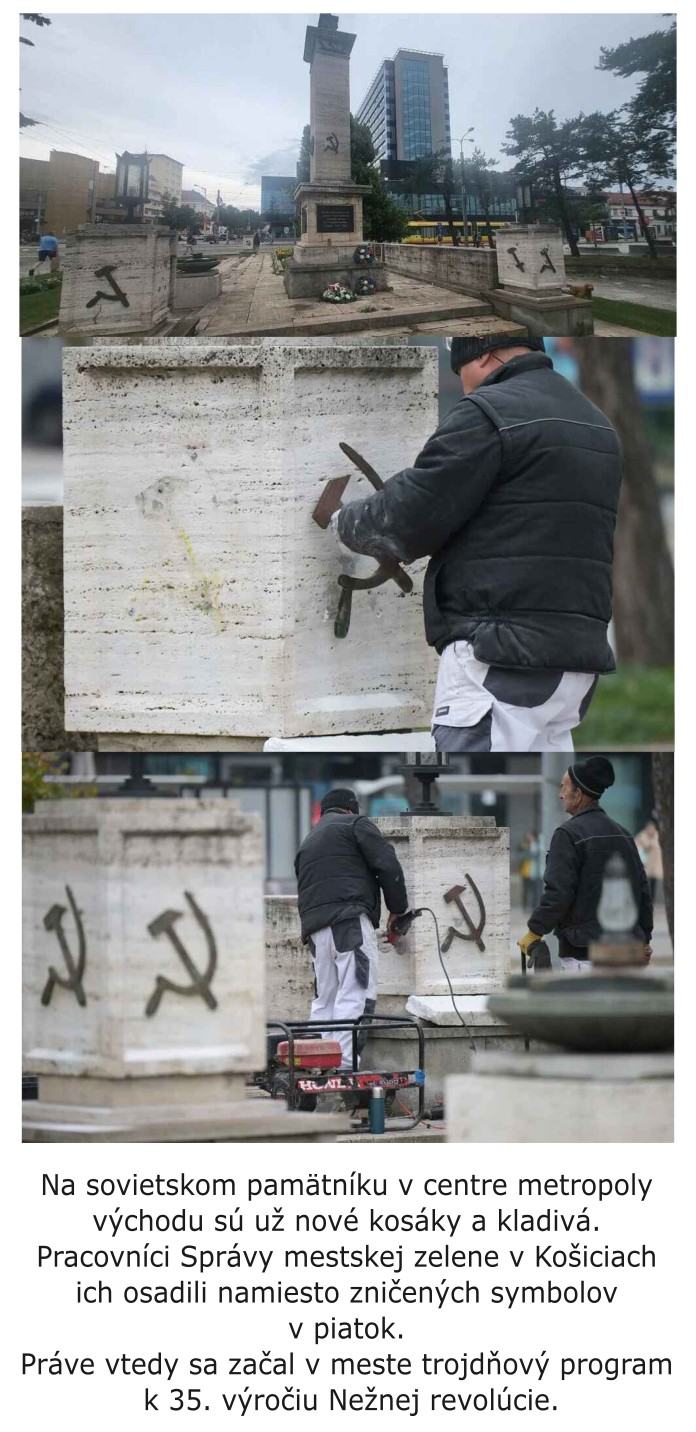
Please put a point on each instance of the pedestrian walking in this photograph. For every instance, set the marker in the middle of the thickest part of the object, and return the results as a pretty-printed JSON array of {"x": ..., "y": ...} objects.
[{"x": 47, "y": 253}]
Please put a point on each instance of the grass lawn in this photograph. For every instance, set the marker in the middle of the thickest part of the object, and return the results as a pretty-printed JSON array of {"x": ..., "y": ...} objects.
[
  {"x": 634, "y": 707},
  {"x": 38, "y": 307},
  {"x": 659, "y": 321},
  {"x": 663, "y": 267}
]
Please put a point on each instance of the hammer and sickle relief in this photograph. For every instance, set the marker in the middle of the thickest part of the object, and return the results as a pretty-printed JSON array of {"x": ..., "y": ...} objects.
[
  {"x": 474, "y": 930},
  {"x": 116, "y": 296},
  {"x": 53, "y": 920},
  {"x": 201, "y": 981},
  {"x": 331, "y": 142}
]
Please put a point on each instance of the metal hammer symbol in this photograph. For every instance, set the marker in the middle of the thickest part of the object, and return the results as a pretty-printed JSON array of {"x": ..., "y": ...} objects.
[
  {"x": 387, "y": 570},
  {"x": 200, "y": 982},
  {"x": 453, "y": 896}
]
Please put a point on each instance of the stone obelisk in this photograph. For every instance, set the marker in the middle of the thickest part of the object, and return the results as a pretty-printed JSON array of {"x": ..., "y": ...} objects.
[{"x": 331, "y": 203}]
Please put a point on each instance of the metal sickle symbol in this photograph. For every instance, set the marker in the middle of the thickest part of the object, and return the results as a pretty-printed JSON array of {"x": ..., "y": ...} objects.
[
  {"x": 118, "y": 296},
  {"x": 453, "y": 896},
  {"x": 200, "y": 983},
  {"x": 547, "y": 257},
  {"x": 386, "y": 570},
  {"x": 53, "y": 920}
]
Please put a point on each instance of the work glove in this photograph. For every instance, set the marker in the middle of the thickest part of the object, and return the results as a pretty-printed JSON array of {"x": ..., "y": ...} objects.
[{"x": 529, "y": 939}]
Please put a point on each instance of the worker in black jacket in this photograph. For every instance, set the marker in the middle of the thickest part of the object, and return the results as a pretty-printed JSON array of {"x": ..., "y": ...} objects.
[
  {"x": 343, "y": 868},
  {"x": 575, "y": 867},
  {"x": 514, "y": 500}
]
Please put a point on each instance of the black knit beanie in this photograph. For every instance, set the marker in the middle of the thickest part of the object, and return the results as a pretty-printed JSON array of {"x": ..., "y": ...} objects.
[
  {"x": 593, "y": 776},
  {"x": 340, "y": 799},
  {"x": 465, "y": 350}
]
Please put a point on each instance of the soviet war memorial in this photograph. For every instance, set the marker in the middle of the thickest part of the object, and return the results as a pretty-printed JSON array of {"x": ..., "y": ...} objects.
[
  {"x": 543, "y": 222},
  {"x": 350, "y": 893}
]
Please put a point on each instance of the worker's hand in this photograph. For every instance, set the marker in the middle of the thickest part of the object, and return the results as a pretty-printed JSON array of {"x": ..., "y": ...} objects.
[
  {"x": 529, "y": 939},
  {"x": 647, "y": 952},
  {"x": 347, "y": 555},
  {"x": 391, "y": 920}
]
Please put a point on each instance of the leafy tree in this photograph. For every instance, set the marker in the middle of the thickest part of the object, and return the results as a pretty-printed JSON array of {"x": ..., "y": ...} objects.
[
  {"x": 304, "y": 157},
  {"x": 24, "y": 121},
  {"x": 478, "y": 176},
  {"x": 615, "y": 152},
  {"x": 181, "y": 216},
  {"x": 654, "y": 56},
  {"x": 548, "y": 158},
  {"x": 233, "y": 218},
  {"x": 635, "y": 144},
  {"x": 39, "y": 20},
  {"x": 436, "y": 171},
  {"x": 383, "y": 219}
]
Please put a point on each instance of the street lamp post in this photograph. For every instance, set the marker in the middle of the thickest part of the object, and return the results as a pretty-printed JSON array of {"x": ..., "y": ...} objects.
[{"x": 464, "y": 137}]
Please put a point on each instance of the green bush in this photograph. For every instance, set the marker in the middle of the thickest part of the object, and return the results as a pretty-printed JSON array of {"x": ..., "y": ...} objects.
[
  {"x": 633, "y": 707},
  {"x": 36, "y": 283}
]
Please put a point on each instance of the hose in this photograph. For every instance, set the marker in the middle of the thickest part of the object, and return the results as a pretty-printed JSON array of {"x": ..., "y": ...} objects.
[{"x": 425, "y": 909}]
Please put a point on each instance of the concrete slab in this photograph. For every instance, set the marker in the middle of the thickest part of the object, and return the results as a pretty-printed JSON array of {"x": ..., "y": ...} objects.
[
  {"x": 254, "y": 302},
  {"x": 422, "y": 1134}
]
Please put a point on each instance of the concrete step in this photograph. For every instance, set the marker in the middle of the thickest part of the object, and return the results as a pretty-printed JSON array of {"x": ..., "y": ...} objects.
[{"x": 370, "y": 322}]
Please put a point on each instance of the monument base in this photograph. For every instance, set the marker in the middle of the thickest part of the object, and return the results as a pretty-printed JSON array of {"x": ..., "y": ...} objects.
[
  {"x": 118, "y": 279},
  {"x": 551, "y": 1098},
  {"x": 310, "y": 279},
  {"x": 449, "y": 1047},
  {"x": 546, "y": 313},
  {"x": 175, "y": 1109}
]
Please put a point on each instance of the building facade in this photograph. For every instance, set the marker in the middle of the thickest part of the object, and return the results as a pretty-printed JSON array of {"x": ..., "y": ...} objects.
[
  {"x": 660, "y": 212},
  {"x": 145, "y": 182},
  {"x": 406, "y": 108},
  {"x": 57, "y": 194}
]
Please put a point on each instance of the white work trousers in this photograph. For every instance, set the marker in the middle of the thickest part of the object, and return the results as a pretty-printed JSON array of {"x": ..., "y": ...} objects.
[{"x": 339, "y": 995}]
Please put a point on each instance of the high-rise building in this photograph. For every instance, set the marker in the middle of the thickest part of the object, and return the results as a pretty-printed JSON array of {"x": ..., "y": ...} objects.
[{"x": 406, "y": 107}]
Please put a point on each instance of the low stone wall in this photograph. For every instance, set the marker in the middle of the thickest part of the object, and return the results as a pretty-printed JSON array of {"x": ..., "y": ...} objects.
[
  {"x": 464, "y": 270},
  {"x": 43, "y": 692}
]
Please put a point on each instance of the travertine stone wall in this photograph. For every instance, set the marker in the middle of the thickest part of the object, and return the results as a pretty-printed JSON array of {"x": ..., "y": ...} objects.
[
  {"x": 558, "y": 1098},
  {"x": 539, "y": 249},
  {"x": 114, "y": 889},
  {"x": 438, "y": 853},
  {"x": 289, "y": 972},
  {"x": 467, "y": 270},
  {"x": 43, "y": 693},
  {"x": 128, "y": 268},
  {"x": 200, "y": 595}
]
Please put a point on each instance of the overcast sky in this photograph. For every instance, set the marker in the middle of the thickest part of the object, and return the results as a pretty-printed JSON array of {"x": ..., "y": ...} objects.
[{"x": 228, "y": 95}]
